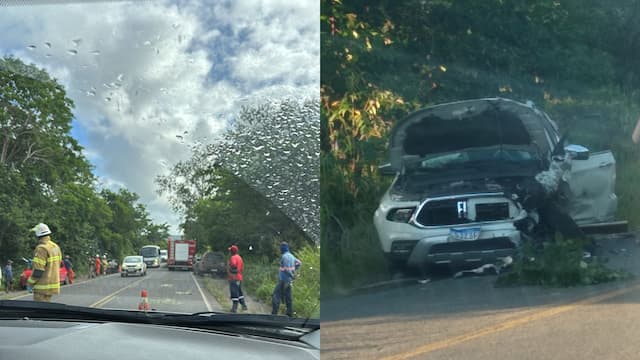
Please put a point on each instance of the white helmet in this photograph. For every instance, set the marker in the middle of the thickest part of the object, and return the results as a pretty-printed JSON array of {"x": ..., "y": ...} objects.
[{"x": 41, "y": 230}]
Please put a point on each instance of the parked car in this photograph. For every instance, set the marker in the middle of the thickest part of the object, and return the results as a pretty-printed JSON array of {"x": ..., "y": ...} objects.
[
  {"x": 133, "y": 265},
  {"x": 211, "y": 263},
  {"x": 24, "y": 276},
  {"x": 468, "y": 182},
  {"x": 112, "y": 266}
]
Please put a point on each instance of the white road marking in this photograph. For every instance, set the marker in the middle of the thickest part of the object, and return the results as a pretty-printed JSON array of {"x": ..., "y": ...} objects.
[{"x": 206, "y": 302}]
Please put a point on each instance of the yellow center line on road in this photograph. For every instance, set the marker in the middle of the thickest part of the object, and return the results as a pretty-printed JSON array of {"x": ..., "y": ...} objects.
[
  {"x": 206, "y": 302},
  {"x": 110, "y": 297},
  {"x": 539, "y": 315}
]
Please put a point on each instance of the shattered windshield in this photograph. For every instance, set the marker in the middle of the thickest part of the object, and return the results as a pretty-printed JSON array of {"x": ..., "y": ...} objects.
[{"x": 129, "y": 127}]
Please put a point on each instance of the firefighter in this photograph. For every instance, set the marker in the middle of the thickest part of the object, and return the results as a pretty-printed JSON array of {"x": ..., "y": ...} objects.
[
  {"x": 235, "y": 267},
  {"x": 98, "y": 265},
  {"x": 288, "y": 266},
  {"x": 105, "y": 264},
  {"x": 44, "y": 281}
]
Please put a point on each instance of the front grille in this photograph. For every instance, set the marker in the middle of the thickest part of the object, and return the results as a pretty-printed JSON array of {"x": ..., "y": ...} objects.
[
  {"x": 492, "y": 211},
  {"x": 498, "y": 243},
  {"x": 441, "y": 212}
]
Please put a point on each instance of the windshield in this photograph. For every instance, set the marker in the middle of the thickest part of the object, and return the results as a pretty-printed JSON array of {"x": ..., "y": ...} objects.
[
  {"x": 474, "y": 156},
  {"x": 187, "y": 126},
  {"x": 149, "y": 252},
  {"x": 455, "y": 222}
]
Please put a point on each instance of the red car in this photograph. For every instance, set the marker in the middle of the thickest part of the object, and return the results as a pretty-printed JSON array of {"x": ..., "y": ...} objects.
[{"x": 64, "y": 279}]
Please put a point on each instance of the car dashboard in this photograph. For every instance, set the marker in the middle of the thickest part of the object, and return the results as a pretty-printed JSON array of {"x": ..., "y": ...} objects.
[{"x": 28, "y": 339}]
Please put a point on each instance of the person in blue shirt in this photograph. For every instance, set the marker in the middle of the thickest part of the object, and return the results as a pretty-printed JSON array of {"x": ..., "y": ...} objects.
[
  {"x": 288, "y": 266},
  {"x": 8, "y": 276}
]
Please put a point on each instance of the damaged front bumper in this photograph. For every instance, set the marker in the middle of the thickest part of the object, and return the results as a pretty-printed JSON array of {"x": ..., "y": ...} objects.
[{"x": 415, "y": 247}]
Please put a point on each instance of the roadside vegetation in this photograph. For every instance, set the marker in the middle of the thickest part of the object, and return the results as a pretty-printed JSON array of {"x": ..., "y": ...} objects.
[
  {"x": 574, "y": 59},
  {"x": 255, "y": 188},
  {"x": 558, "y": 264},
  {"x": 261, "y": 276},
  {"x": 45, "y": 177}
]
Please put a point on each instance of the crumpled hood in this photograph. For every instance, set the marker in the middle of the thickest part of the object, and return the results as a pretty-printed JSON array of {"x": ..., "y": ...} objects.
[{"x": 468, "y": 124}]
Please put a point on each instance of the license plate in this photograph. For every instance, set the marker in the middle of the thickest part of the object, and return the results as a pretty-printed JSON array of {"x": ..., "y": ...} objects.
[{"x": 464, "y": 234}]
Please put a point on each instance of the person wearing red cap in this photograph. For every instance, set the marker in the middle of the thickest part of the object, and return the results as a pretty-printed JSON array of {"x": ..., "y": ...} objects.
[{"x": 234, "y": 271}]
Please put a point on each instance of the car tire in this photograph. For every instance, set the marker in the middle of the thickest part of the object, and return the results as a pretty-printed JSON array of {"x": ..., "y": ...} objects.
[{"x": 66, "y": 280}]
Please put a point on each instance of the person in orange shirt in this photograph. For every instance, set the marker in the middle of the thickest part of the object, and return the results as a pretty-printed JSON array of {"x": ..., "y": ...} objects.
[
  {"x": 98, "y": 265},
  {"x": 234, "y": 271}
]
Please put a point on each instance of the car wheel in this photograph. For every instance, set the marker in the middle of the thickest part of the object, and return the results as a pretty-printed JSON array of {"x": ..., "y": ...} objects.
[{"x": 66, "y": 280}]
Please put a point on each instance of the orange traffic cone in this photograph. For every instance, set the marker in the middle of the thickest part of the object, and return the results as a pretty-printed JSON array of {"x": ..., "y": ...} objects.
[{"x": 144, "y": 303}]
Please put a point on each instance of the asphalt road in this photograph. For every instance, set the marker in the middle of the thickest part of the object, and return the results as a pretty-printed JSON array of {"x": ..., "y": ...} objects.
[
  {"x": 468, "y": 318},
  {"x": 173, "y": 291}
]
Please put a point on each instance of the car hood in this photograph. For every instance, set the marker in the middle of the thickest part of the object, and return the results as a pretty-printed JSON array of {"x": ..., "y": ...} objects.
[{"x": 469, "y": 124}]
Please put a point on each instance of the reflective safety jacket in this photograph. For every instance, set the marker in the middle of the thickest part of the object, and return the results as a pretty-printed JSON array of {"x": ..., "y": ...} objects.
[
  {"x": 46, "y": 261},
  {"x": 236, "y": 265}
]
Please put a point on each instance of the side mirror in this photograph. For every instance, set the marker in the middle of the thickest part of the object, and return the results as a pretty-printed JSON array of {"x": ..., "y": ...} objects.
[
  {"x": 386, "y": 170},
  {"x": 578, "y": 152}
]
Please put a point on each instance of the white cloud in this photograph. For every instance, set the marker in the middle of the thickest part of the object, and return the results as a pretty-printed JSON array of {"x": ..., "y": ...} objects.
[{"x": 143, "y": 73}]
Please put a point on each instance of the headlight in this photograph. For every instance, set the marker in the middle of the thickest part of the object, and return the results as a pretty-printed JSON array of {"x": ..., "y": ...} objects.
[{"x": 400, "y": 215}]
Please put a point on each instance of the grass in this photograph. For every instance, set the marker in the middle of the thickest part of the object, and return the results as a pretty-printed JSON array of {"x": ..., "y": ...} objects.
[
  {"x": 558, "y": 264},
  {"x": 357, "y": 260},
  {"x": 260, "y": 277}
]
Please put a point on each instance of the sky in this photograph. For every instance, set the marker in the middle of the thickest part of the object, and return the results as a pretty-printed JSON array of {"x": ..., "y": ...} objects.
[{"x": 149, "y": 79}]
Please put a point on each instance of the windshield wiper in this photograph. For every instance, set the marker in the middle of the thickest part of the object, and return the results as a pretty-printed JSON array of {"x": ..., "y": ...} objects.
[{"x": 206, "y": 320}]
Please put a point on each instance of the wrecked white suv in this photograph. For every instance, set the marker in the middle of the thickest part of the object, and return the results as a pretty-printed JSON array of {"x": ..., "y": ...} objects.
[{"x": 473, "y": 178}]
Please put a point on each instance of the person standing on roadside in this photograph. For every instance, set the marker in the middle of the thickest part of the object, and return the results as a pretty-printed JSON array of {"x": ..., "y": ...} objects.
[
  {"x": 235, "y": 268},
  {"x": 69, "y": 266},
  {"x": 105, "y": 264},
  {"x": 8, "y": 276},
  {"x": 288, "y": 266},
  {"x": 44, "y": 281},
  {"x": 98, "y": 264}
]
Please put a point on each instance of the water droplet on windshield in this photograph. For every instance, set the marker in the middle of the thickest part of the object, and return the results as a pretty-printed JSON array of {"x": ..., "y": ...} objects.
[
  {"x": 48, "y": 55},
  {"x": 91, "y": 92},
  {"x": 95, "y": 52},
  {"x": 120, "y": 77},
  {"x": 72, "y": 52},
  {"x": 157, "y": 51},
  {"x": 108, "y": 99},
  {"x": 31, "y": 47},
  {"x": 48, "y": 44},
  {"x": 146, "y": 43},
  {"x": 179, "y": 137},
  {"x": 175, "y": 25},
  {"x": 76, "y": 42}
]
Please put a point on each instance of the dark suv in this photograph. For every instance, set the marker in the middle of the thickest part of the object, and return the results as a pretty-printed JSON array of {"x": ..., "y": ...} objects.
[{"x": 211, "y": 263}]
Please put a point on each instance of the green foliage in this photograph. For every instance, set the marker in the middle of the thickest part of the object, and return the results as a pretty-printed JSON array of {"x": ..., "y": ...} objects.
[
  {"x": 380, "y": 61},
  {"x": 261, "y": 277},
  {"x": 558, "y": 264},
  {"x": 44, "y": 177}
]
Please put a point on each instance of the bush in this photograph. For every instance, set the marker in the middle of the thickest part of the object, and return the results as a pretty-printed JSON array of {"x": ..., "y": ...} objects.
[
  {"x": 559, "y": 264},
  {"x": 261, "y": 277},
  {"x": 355, "y": 260}
]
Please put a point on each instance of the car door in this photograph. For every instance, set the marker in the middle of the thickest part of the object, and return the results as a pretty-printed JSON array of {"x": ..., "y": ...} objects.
[{"x": 591, "y": 189}]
